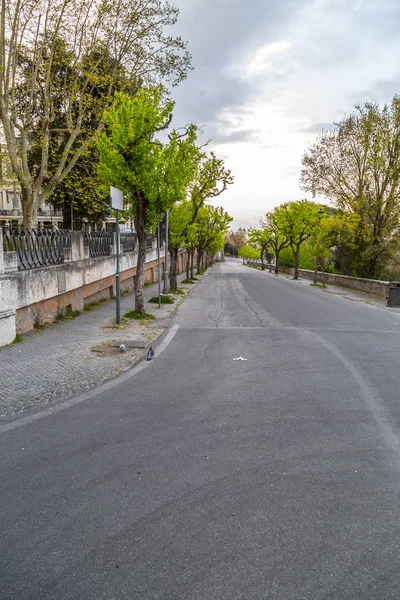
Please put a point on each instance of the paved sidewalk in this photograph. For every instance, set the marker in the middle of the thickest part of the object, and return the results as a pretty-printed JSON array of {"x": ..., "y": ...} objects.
[
  {"x": 58, "y": 361},
  {"x": 348, "y": 294}
]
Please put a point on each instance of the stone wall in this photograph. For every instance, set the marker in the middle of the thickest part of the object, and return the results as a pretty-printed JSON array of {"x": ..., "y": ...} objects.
[
  {"x": 34, "y": 296},
  {"x": 358, "y": 284},
  {"x": 368, "y": 286}
]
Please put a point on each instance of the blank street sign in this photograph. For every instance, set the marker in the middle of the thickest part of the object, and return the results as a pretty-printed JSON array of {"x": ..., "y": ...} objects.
[{"x": 117, "y": 198}]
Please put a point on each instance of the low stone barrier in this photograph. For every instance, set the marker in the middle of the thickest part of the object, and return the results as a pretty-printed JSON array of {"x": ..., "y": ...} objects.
[
  {"x": 36, "y": 296},
  {"x": 358, "y": 284}
]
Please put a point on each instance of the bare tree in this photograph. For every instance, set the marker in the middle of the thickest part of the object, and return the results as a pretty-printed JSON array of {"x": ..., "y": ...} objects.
[
  {"x": 357, "y": 166},
  {"x": 35, "y": 87}
]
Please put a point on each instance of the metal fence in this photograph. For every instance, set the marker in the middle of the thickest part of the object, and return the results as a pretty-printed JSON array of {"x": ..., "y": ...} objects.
[
  {"x": 127, "y": 241},
  {"x": 99, "y": 242},
  {"x": 36, "y": 247}
]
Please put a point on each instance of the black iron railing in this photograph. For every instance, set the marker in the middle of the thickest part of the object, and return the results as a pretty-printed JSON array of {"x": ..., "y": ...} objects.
[
  {"x": 127, "y": 242},
  {"x": 36, "y": 247},
  {"x": 99, "y": 242}
]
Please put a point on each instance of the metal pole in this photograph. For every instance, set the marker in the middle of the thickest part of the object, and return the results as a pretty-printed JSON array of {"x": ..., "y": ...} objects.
[
  {"x": 158, "y": 264},
  {"x": 117, "y": 282},
  {"x": 166, "y": 282},
  {"x": 315, "y": 280},
  {"x": 72, "y": 212}
]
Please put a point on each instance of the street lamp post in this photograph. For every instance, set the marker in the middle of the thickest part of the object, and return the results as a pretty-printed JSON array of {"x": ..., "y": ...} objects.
[{"x": 315, "y": 281}]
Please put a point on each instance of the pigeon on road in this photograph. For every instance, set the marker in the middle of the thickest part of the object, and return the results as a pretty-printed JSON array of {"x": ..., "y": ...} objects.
[{"x": 150, "y": 353}]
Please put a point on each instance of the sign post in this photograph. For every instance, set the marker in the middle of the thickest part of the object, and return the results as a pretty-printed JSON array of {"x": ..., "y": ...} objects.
[
  {"x": 117, "y": 203},
  {"x": 158, "y": 263},
  {"x": 166, "y": 282}
]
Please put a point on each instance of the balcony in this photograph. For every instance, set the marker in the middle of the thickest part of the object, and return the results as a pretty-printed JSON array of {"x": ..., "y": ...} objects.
[{"x": 10, "y": 212}]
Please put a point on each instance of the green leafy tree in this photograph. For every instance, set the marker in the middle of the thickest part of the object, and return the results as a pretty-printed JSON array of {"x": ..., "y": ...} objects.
[
  {"x": 212, "y": 224},
  {"x": 262, "y": 239},
  {"x": 274, "y": 227},
  {"x": 210, "y": 179},
  {"x": 248, "y": 253},
  {"x": 298, "y": 221},
  {"x": 180, "y": 218},
  {"x": 39, "y": 78},
  {"x": 357, "y": 166},
  {"x": 152, "y": 175}
]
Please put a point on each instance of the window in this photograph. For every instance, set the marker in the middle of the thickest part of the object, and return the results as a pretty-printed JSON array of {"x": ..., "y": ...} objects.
[{"x": 13, "y": 200}]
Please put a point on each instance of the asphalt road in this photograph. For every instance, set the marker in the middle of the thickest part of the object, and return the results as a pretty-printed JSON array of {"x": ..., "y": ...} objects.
[{"x": 204, "y": 478}]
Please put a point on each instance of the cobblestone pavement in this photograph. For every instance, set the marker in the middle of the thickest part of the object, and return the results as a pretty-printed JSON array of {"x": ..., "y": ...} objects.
[{"x": 56, "y": 362}]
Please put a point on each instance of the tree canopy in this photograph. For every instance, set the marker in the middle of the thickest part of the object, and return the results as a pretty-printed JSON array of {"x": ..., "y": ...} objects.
[
  {"x": 67, "y": 57},
  {"x": 153, "y": 175},
  {"x": 357, "y": 167}
]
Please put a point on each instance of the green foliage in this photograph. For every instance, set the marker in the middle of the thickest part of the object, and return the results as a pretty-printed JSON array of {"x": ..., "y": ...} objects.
[
  {"x": 64, "y": 61},
  {"x": 297, "y": 222},
  {"x": 163, "y": 300},
  {"x": 38, "y": 321},
  {"x": 211, "y": 179},
  {"x": 211, "y": 226},
  {"x": 91, "y": 305},
  {"x": 60, "y": 315},
  {"x": 357, "y": 166},
  {"x": 153, "y": 175},
  {"x": 260, "y": 239},
  {"x": 188, "y": 281},
  {"x": 139, "y": 316},
  {"x": 18, "y": 339},
  {"x": 249, "y": 253}
]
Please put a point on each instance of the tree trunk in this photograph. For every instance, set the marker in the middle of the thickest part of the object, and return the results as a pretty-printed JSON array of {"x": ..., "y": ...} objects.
[
  {"x": 262, "y": 260},
  {"x": 141, "y": 238},
  {"x": 191, "y": 264},
  {"x": 173, "y": 274},
  {"x": 188, "y": 265},
  {"x": 277, "y": 253},
  {"x": 66, "y": 211},
  {"x": 30, "y": 202},
  {"x": 198, "y": 261},
  {"x": 296, "y": 262}
]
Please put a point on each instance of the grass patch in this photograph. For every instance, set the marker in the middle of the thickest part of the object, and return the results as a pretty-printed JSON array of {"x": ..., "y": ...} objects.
[
  {"x": 102, "y": 300},
  {"x": 91, "y": 305},
  {"x": 38, "y": 322},
  {"x": 319, "y": 285},
  {"x": 125, "y": 293},
  {"x": 138, "y": 316},
  {"x": 188, "y": 281},
  {"x": 101, "y": 346},
  {"x": 147, "y": 283},
  {"x": 60, "y": 316},
  {"x": 114, "y": 325},
  {"x": 178, "y": 291},
  {"x": 73, "y": 314},
  {"x": 163, "y": 300},
  {"x": 17, "y": 340}
]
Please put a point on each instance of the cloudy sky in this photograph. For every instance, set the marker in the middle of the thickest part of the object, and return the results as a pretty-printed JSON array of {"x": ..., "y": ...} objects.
[{"x": 270, "y": 74}]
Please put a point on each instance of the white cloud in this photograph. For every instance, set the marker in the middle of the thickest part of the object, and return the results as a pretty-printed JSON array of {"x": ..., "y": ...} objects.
[
  {"x": 266, "y": 93},
  {"x": 263, "y": 59}
]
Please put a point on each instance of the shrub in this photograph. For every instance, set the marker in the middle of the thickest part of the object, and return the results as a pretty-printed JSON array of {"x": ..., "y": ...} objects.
[
  {"x": 163, "y": 299},
  {"x": 133, "y": 314}
]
